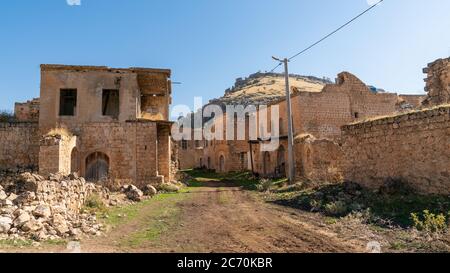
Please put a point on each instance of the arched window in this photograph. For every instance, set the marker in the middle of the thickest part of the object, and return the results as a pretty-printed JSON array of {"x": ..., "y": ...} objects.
[{"x": 222, "y": 164}]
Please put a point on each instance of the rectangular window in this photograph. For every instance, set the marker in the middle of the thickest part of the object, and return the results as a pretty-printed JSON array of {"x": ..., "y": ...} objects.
[
  {"x": 184, "y": 144},
  {"x": 110, "y": 103},
  {"x": 68, "y": 102}
]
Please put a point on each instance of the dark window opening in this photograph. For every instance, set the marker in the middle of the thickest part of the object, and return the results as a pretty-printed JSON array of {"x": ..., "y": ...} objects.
[
  {"x": 68, "y": 102},
  {"x": 184, "y": 144},
  {"x": 110, "y": 103},
  {"x": 356, "y": 115}
]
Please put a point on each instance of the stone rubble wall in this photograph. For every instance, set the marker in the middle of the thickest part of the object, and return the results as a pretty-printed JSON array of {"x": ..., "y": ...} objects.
[
  {"x": 437, "y": 82},
  {"x": 412, "y": 147},
  {"x": 43, "y": 208},
  {"x": 19, "y": 145}
]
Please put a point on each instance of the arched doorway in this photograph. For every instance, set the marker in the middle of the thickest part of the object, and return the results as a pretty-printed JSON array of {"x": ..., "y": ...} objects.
[
  {"x": 209, "y": 163},
  {"x": 266, "y": 163},
  {"x": 222, "y": 164},
  {"x": 75, "y": 161},
  {"x": 97, "y": 166},
  {"x": 281, "y": 161}
]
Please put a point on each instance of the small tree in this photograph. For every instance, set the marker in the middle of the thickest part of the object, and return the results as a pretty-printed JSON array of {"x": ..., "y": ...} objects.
[{"x": 6, "y": 116}]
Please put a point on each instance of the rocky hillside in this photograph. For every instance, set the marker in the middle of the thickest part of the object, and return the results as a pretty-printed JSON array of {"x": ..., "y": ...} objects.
[{"x": 266, "y": 88}]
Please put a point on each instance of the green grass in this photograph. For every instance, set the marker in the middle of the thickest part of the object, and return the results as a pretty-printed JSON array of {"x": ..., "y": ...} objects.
[
  {"x": 160, "y": 221},
  {"x": 384, "y": 208},
  {"x": 16, "y": 243},
  {"x": 153, "y": 217},
  {"x": 242, "y": 179},
  {"x": 119, "y": 215}
]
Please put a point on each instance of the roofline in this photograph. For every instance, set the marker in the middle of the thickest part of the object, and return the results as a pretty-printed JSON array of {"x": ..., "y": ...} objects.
[{"x": 57, "y": 67}]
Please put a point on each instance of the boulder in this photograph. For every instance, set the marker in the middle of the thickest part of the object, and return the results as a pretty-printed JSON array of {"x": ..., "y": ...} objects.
[
  {"x": 60, "y": 224},
  {"x": 32, "y": 226},
  {"x": 5, "y": 224},
  {"x": 3, "y": 195},
  {"x": 42, "y": 211},
  {"x": 149, "y": 190},
  {"x": 134, "y": 194},
  {"x": 22, "y": 219}
]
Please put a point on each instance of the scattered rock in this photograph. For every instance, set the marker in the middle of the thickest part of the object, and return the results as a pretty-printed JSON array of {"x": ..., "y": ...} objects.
[
  {"x": 134, "y": 194},
  {"x": 5, "y": 224},
  {"x": 3, "y": 195},
  {"x": 22, "y": 218},
  {"x": 42, "y": 211},
  {"x": 46, "y": 208},
  {"x": 149, "y": 190}
]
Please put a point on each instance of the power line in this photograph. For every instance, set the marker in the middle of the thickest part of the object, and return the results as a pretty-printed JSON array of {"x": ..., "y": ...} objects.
[{"x": 335, "y": 31}]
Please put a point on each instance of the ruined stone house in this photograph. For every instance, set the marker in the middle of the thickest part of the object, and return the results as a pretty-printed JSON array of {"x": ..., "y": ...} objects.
[
  {"x": 103, "y": 123},
  {"x": 319, "y": 115}
]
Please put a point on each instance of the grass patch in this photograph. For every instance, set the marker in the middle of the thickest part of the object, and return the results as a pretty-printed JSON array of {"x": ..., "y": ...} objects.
[
  {"x": 341, "y": 200},
  {"x": 246, "y": 180},
  {"x": 160, "y": 221},
  {"x": 94, "y": 204},
  {"x": 119, "y": 215},
  {"x": 16, "y": 243},
  {"x": 152, "y": 217}
]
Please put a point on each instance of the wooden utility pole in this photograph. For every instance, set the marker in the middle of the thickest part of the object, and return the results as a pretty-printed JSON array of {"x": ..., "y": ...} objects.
[{"x": 291, "y": 163}]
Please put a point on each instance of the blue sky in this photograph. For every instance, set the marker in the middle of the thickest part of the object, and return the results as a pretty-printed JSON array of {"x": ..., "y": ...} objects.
[{"x": 209, "y": 43}]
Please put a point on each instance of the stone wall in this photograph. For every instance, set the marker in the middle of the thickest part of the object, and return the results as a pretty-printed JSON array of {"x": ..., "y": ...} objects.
[
  {"x": 412, "y": 147},
  {"x": 27, "y": 111},
  {"x": 438, "y": 82},
  {"x": 55, "y": 154},
  {"x": 19, "y": 145},
  {"x": 318, "y": 160}
]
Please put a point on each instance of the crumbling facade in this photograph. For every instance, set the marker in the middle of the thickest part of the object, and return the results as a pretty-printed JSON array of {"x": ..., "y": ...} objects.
[
  {"x": 102, "y": 123},
  {"x": 319, "y": 114},
  {"x": 412, "y": 148},
  {"x": 437, "y": 82}
]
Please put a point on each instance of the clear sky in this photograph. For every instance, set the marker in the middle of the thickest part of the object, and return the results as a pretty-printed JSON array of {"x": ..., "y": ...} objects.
[{"x": 209, "y": 43}]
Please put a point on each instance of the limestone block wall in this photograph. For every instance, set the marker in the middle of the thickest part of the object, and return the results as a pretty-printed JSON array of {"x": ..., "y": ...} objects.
[
  {"x": 55, "y": 154},
  {"x": 19, "y": 145},
  {"x": 412, "y": 147},
  {"x": 318, "y": 160}
]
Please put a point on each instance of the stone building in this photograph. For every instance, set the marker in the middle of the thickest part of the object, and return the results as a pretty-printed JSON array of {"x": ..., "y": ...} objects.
[
  {"x": 103, "y": 123},
  {"x": 411, "y": 147},
  {"x": 318, "y": 114},
  {"x": 437, "y": 82}
]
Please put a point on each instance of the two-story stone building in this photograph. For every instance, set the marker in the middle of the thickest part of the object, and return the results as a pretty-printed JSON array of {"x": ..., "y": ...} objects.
[{"x": 100, "y": 122}]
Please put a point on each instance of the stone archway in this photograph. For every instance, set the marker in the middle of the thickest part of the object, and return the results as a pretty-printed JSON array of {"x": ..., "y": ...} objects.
[
  {"x": 281, "y": 161},
  {"x": 97, "y": 166},
  {"x": 222, "y": 164}
]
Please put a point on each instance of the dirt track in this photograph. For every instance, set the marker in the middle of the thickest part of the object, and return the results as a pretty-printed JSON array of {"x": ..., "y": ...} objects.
[{"x": 216, "y": 218}]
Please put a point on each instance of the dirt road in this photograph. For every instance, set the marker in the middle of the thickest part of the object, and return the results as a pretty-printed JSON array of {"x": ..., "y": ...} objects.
[{"x": 217, "y": 218}]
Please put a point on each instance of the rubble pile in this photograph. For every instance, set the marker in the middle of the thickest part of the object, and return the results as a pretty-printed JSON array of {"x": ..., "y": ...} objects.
[{"x": 46, "y": 208}]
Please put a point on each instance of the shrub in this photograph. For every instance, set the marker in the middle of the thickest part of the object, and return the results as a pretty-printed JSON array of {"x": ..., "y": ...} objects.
[
  {"x": 167, "y": 187},
  {"x": 429, "y": 222},
  {"x": 264, "y": 185},
  {"x": 337, "y": 208},
  {"x": 6, "y": 116},
  {"x": 94, "y": 203}
]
